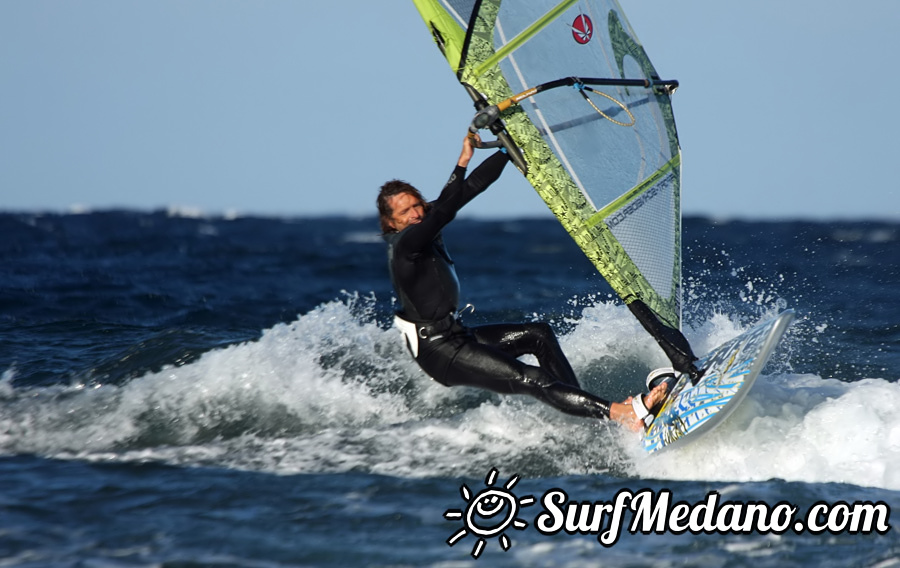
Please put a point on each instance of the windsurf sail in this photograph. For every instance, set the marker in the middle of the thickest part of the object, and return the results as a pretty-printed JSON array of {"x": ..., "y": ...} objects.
[{"x": 570, "y": 92}]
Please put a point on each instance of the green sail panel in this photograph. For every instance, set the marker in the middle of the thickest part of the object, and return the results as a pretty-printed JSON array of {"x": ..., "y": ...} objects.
[{"x": 604, "y": 158}]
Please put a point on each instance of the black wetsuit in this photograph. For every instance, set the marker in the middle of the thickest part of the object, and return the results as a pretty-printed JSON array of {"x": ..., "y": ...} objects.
[{"x": 485, "y": 356}]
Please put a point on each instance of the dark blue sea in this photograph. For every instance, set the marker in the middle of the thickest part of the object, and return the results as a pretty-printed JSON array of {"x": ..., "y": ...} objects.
[{"x": 189, "y": 391}]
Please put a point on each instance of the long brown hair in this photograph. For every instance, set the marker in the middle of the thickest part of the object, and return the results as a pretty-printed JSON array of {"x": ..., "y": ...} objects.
[{"x": 388, "y": 190}]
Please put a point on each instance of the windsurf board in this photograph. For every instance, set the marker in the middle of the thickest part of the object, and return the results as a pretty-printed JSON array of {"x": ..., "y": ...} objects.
[{"x": 730, "y": 371}]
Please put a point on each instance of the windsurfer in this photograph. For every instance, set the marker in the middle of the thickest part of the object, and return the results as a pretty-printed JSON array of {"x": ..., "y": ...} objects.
[{"x": 425, "y": 281}]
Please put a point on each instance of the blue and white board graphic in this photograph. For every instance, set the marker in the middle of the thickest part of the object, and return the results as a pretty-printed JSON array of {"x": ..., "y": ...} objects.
[{"x": 731, "y": 370}]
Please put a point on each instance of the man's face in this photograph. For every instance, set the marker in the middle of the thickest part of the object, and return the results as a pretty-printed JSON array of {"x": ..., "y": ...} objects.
[{"x": 406, "y": 210}]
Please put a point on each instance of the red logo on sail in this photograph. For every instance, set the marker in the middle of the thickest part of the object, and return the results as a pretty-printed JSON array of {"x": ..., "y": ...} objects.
[{"x": 582, "y": 29}]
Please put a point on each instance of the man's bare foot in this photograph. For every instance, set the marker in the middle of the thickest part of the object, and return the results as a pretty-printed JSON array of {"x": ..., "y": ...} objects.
[
  {"x": 623, "y": 412},
  {"x": 657, "y": 395}
]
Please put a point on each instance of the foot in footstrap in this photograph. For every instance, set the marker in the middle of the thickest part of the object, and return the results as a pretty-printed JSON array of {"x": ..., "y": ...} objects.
[
  {"x": 666, "y": 376},
  {"x": 641, "y": 411}
]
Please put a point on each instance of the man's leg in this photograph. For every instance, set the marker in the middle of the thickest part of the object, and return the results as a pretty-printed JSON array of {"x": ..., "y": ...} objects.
[
  {"x": 483, "y": 366},
  {"x": 535, "y": 339}
]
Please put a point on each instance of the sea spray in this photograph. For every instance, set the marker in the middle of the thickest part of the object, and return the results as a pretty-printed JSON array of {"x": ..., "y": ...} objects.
[{"x": 334, "y": 391}]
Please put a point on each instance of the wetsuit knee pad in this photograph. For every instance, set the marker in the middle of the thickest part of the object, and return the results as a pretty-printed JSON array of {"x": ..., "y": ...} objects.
[
  {"x": 539, "y": 335},
  {"x": 546, "y": 335},
  {"x": 542, "y": 328}
]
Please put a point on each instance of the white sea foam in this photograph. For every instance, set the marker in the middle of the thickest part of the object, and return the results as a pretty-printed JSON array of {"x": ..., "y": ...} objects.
[
  {"x": 797, "y": 428},
  {"x": 334, "y": 391}
]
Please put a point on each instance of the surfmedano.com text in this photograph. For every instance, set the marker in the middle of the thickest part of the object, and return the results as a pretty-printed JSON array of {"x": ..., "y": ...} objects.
[{"x": 650, "y": 512}]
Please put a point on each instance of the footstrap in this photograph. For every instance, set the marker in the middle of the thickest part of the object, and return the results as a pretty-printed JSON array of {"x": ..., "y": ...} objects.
[{"x": 637, "y": 403}]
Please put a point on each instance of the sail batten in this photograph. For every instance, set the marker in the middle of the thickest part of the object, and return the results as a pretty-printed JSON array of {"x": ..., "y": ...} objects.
[{"x": 510, "y": 46}]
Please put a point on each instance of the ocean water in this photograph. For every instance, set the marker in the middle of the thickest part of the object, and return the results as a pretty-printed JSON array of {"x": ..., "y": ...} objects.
[{"x": 183, "y": 390}]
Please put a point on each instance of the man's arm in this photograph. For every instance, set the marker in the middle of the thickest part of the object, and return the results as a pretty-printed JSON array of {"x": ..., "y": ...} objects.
[
  {"x": 462, "y": 190},
  {"x": 468, "y": 150},
  {"x": 458, "y": 191}
]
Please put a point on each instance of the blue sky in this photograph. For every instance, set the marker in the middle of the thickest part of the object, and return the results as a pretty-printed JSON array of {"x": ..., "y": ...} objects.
[{"x": 787, "y": 109}]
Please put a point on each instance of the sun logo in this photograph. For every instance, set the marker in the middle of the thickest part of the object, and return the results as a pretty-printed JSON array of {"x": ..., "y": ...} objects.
[{"x": 489, "y": 513}]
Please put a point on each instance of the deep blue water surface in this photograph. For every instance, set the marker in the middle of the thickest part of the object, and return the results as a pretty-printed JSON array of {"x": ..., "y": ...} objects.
[{"x": 182, "y": 391}]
